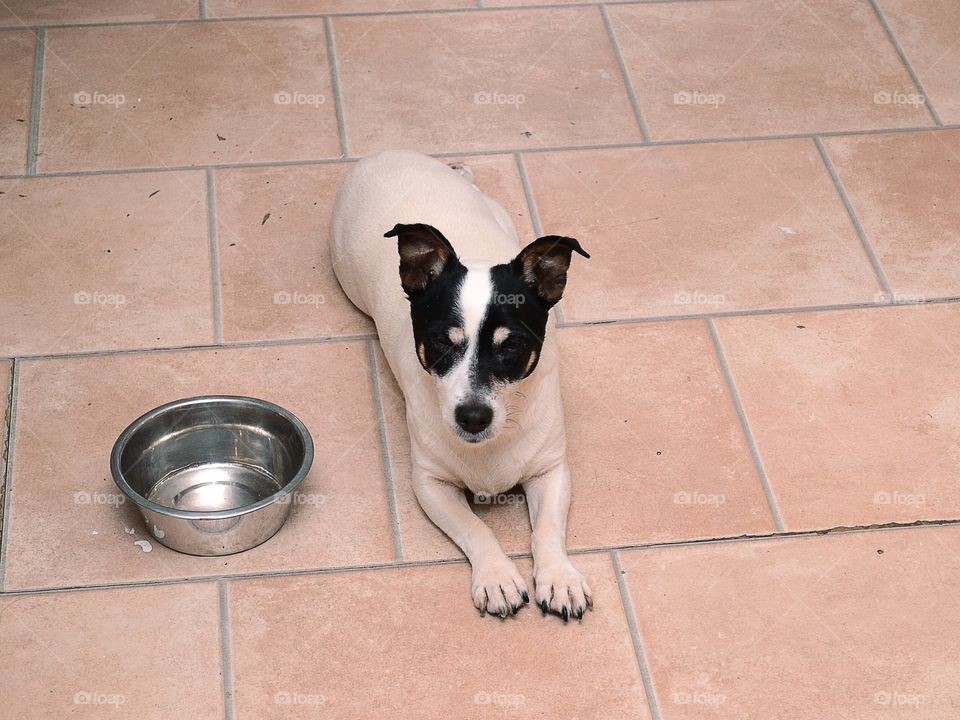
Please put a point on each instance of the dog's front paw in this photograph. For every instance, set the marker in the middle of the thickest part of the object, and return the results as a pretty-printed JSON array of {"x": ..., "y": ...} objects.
[
  {"x": 498, "y": 587},
  {"x": 562, "y": 589}
]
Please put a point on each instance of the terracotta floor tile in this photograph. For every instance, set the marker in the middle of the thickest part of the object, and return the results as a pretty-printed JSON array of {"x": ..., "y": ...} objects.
[
  {"x": 16, "y": 76},
  {"x": 245, "y": 8},
  {"x": 191, "y": 94},
  {"x": 761, "y": 67},
  {"x": 466, "y": 81},
  {"x": 435, "y": 657},
  {"x": 902, "y": 187},
  {"x": 670, "y": 233},
  {"x": 856, "y": 626},
  {"x": 655, "y": 447},
  {"x": 31, "y": 12},
  {"x": 927, "y": 32},
  {"x": 272, "y": 230},
  {"x": 141, "y": 652},
  {"x": 70, "y": 412},
  {"x": 104, "y": 262},
  {"x": 855, "y": 413}
]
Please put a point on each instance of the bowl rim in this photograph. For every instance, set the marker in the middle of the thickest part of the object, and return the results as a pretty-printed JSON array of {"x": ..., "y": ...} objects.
[{"x": 124, "y": 438}]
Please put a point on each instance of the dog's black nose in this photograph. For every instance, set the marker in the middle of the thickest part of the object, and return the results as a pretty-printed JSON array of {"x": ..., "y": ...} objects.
[{"x": 474, "y": 417}]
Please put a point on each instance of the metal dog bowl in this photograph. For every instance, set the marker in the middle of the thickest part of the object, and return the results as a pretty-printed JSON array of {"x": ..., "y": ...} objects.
[{"x": 213, "y": 475}]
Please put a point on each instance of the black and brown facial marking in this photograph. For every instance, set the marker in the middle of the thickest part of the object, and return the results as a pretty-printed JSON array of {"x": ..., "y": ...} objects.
[{"x": 431, "y": 275}]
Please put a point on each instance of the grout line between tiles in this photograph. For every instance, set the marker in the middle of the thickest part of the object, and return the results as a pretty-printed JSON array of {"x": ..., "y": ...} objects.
[
  {"x": 335, "y": 85},
  {"x": 638, "y": 649},
  {"x": 535, "y": 220},
  {"x": 600, "y": 550},
  {"x": 211, "y": 346},
  {"x": 761, "y": 311},
  {"x": 14, "y": 390},
  {"x": 560, "y": 324},
  {"x": 906, "y": 63},
  {"x": 628, "y": 83},
  {"x": 528, "y": 194},
  {"x": 852, "y": 214},
  {"x": 214, "y": 259},
  {"x": 745, "y": 425},
  {"x": 385, "y": 451},
  {"x": 497, "y": 151},
  {"x": 205, "y": 18},
  {"x": 226, "y": 659},
  {"x": 36, "y": 102}
]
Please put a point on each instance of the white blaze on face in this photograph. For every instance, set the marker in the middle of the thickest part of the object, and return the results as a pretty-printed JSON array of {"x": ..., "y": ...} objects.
[{"x": 475, "y": 294}]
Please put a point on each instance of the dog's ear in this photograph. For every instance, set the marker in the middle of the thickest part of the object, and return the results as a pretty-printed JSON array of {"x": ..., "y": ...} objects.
[
  {"x": 424, "y": 254},
  {"x": 543, "y": 265}
]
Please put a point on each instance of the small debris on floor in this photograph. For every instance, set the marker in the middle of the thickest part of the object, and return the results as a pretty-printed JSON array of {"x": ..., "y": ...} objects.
[
  {"x": 143, "y": 545},
  {"x": 265, "y": 218},
  {"x": 153, "y": 193}
]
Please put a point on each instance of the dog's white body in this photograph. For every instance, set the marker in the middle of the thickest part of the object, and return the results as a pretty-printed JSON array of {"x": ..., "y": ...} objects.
[{"x": 406, "y": 187}]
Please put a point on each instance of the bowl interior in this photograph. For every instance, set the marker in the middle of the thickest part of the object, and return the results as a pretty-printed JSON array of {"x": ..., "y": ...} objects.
[{"x": 213, "y": 455}]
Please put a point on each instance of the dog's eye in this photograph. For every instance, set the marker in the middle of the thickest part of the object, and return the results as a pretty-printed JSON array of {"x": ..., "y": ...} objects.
[{"x": 511, "y": 346}]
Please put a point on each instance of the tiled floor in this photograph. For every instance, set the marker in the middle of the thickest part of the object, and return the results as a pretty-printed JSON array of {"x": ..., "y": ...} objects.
[{"x": 764, "y": 347}]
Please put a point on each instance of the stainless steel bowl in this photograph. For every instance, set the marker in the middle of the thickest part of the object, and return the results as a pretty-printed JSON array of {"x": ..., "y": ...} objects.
[{"x": 213, "y": 475}]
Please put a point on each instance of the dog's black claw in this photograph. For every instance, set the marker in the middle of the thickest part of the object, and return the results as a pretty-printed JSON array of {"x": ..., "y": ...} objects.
[
  {"x": 526, "y": 597},
  {"x": 543, "y": 606},
  {"x": 579, "y": 613},
  {"x": 565, "y": 614},
  {"x": 514, "y": 609}
]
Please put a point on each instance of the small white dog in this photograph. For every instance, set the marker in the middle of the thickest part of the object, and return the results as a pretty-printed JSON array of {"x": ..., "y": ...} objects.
[{"x": 464, "y": 326}]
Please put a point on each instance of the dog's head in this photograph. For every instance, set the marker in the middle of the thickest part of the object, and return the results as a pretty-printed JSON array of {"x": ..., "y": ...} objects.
[{"x": 479, "y": 329}]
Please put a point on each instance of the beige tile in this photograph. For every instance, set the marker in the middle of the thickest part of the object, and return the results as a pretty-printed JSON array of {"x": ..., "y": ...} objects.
[
  {"x": 902, "y": 187},
  {"x": 146, "y": 652},
  {"x": 927, "y": 32},
  {"x": 52, "y": 12},
  {"x": 654, "y": 444},
  {"x": 246, "y": 8},
  {"x": 16, "y": 78},
  {"x": 761, "y": 67},
  {"x": 70, "y": 412},
  {"x": 464, "y": 82},
  {"x": 671, "y": 233},
  {"x": 276, "y": 280},
  {"x": 272, "y": 230},
  {"x": 104, "y": 262},
  {"x": 856, "y": 626},
  {"x": 185, "y": 94},
  {"x": 855, "y": 413},
  {"x": 435, "y": 657}
]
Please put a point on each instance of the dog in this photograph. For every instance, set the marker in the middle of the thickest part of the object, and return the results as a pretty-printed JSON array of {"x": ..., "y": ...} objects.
[{"x": 463, "y": 317}]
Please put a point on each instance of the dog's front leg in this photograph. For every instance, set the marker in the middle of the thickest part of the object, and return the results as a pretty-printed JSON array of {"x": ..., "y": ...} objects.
[
  {"x": 560, "y": 586},
  {"x": 497, "y": 588}
]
